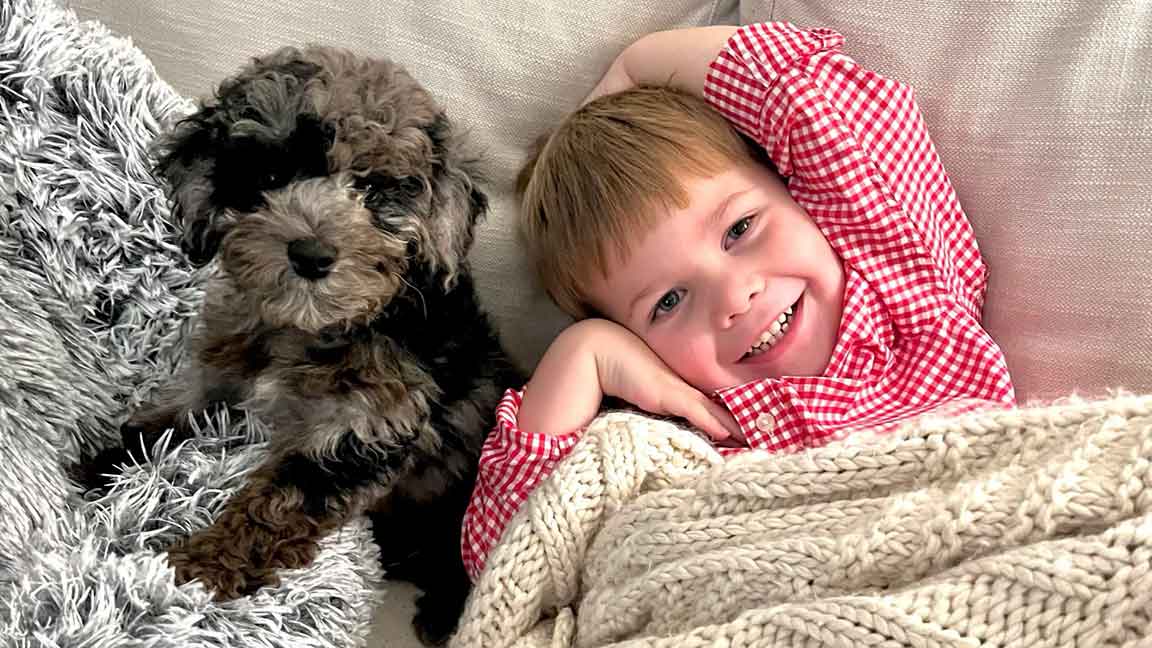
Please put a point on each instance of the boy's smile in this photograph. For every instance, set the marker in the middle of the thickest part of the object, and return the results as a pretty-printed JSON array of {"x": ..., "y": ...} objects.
[
  {"x": 739, "y": 285},
  {"x": 772, "y": 341}
]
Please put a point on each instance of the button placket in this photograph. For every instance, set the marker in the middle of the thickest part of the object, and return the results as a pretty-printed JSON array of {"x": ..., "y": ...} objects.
[{"x": 765, "y": 422}]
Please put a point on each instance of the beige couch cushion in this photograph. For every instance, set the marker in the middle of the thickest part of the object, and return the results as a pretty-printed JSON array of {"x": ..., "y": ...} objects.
[
  {"x": 1041, "y": 110},
  {"x": 1042, "y": 113},
  {"x": 506, "y": 69}
]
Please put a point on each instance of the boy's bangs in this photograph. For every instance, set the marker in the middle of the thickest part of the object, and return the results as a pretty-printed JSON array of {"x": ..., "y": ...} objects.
[{"x": 609, "y": 174}]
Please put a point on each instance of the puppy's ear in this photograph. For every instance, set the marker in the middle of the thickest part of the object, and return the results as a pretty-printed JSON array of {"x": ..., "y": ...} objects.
[
  {"x": 184, "y": 162},
  {"x": 478, "y": 206},
  {"x": 460, "y": 163},
  {"x": 458, "y": 204}
]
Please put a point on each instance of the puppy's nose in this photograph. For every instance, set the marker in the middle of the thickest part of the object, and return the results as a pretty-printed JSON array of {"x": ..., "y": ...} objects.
[{"x": 311, "y": 258}]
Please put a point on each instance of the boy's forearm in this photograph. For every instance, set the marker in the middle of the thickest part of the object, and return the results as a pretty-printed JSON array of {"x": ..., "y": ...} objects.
[
  {"x": 678, "y": 57},
  {"x": 564, "y": 392}
]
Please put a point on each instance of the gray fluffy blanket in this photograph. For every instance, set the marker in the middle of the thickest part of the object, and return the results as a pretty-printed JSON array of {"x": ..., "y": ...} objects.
[{"x": 95, "y": 301}]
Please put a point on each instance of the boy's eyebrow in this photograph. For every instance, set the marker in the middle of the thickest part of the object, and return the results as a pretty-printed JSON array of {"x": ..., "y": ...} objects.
[
  {"x": 714, "y": 219},
  {"x": 636, "y": 300}
]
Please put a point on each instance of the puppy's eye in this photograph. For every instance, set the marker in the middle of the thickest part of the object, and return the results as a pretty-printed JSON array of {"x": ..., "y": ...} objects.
[
  {"x": 272, "y": 179},
  {"x": 385, "y": 188},
  {"x": 412, "y": 186}
]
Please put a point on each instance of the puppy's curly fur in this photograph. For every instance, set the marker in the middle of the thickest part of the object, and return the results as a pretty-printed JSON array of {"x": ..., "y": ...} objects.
[{"x": 341, "y": 205}]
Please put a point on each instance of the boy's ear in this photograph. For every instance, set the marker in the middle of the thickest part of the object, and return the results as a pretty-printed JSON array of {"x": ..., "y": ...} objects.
[{"x": 184, "y": 164}]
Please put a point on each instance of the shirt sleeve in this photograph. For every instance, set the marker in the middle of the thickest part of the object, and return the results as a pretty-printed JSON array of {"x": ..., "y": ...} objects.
[
  {"x": 839, "y": 131},
  {"x": 512, "y": 463}
]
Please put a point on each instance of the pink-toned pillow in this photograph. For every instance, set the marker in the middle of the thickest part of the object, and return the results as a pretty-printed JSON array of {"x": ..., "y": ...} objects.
[{"x": 1042, "y": 114}]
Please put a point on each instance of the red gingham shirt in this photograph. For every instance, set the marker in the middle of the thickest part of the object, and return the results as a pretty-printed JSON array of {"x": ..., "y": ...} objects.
[{"x": 859, "y": 160}]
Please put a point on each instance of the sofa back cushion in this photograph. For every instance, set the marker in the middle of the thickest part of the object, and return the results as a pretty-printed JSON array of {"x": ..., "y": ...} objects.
[{"x": 1041, "y": 111}]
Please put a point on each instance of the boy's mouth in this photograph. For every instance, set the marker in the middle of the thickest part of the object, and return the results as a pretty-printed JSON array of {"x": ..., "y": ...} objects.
[{"x": 774, "y": 333}]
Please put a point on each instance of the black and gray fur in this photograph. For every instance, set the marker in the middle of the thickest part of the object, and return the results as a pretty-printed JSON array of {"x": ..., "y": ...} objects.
[{"x": 340, "y": 204}]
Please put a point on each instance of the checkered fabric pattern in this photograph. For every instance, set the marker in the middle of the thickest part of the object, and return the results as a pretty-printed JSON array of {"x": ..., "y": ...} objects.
[{"x": 858, "y": 158}]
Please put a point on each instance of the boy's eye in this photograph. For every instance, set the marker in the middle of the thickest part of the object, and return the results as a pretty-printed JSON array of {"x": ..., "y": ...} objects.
[
  {"x": 738, "y": 229},
  {"x": 667, "y": 303}
]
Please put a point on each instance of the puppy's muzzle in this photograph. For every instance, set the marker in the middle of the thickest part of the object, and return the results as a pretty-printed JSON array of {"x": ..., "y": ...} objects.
[{"x": 311, "y": 258}]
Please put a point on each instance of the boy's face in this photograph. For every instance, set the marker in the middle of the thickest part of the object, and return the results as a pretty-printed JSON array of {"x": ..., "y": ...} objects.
[{"x": 741, "y": 285}]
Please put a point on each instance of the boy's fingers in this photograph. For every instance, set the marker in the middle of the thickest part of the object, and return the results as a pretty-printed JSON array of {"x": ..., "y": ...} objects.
[
  {"x": 713, "y": 419},
  {"x": 678, "y": 398},
  {"x": 724, "y": 418}
]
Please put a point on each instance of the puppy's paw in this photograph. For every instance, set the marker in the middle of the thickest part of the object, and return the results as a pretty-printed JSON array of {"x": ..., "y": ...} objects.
[
  {"x": 293, "y": 554},
  {"x": 218, "y": 568},
  {"x": 435, "y": 619}
]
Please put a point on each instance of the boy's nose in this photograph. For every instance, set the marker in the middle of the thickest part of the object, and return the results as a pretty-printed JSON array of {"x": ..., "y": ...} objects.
[{"x": 737, "y": 298}]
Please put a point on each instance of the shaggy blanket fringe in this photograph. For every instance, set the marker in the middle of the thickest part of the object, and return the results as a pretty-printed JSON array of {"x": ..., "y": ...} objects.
[
  {"x": 1028, "y": 528},
  {"x": 95, "y": 302}
]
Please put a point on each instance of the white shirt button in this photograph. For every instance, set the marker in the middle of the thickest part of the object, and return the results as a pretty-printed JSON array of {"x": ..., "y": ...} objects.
[{"x": 765, "y": 422}]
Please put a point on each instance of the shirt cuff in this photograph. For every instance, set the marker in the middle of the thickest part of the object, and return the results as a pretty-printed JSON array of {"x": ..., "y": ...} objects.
[
  {"x": 511, "y": 438},
  {"x": 740, "y": 78}
]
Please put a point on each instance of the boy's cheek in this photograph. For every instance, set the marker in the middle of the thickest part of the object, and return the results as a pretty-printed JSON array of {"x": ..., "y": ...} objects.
[{"x": 694, "y": 360}]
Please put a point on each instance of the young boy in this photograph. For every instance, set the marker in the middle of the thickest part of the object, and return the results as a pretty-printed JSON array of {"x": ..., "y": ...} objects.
[{"x": 770, "y": 313}]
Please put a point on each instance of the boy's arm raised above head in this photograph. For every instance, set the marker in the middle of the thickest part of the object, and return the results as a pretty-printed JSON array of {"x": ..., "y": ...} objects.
[
  {"x": 853, "y": 141},
  {"x": 677, "y": 57}
]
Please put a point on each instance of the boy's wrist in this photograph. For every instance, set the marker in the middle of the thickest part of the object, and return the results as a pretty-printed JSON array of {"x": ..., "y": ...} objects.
[
  {"x": 616, "y": 79},
  {"x": 564, "y": 393},
  {"x": 680, "y": 58}
]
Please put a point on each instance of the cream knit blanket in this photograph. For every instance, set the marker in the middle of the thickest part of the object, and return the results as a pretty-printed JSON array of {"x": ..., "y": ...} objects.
[{"x": 1029, "y": 527}]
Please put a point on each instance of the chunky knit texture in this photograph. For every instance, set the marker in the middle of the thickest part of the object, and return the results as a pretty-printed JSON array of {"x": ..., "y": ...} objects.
[{"x": 1029, "y": 527}]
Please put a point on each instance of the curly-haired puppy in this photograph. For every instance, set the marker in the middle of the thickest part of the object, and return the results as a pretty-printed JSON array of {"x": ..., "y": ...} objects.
[{"x": 340, "y": 204}]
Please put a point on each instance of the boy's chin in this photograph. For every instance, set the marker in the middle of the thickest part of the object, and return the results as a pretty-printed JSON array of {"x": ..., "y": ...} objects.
[{"x": 746, "y": 372}]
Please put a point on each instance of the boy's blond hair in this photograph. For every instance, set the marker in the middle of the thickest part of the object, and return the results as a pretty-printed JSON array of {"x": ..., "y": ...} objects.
[{"x": 607, "y": 172}]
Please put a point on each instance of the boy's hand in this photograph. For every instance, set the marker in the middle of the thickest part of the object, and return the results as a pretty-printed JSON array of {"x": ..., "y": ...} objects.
[
  {"x": 677, "y": 57},
  {"x": 596, "y": 358},
  {"x": 630, "y": 370}
]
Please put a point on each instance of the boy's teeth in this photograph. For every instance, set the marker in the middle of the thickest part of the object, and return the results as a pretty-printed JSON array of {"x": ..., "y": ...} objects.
[{"x": 773, "y": 334}]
